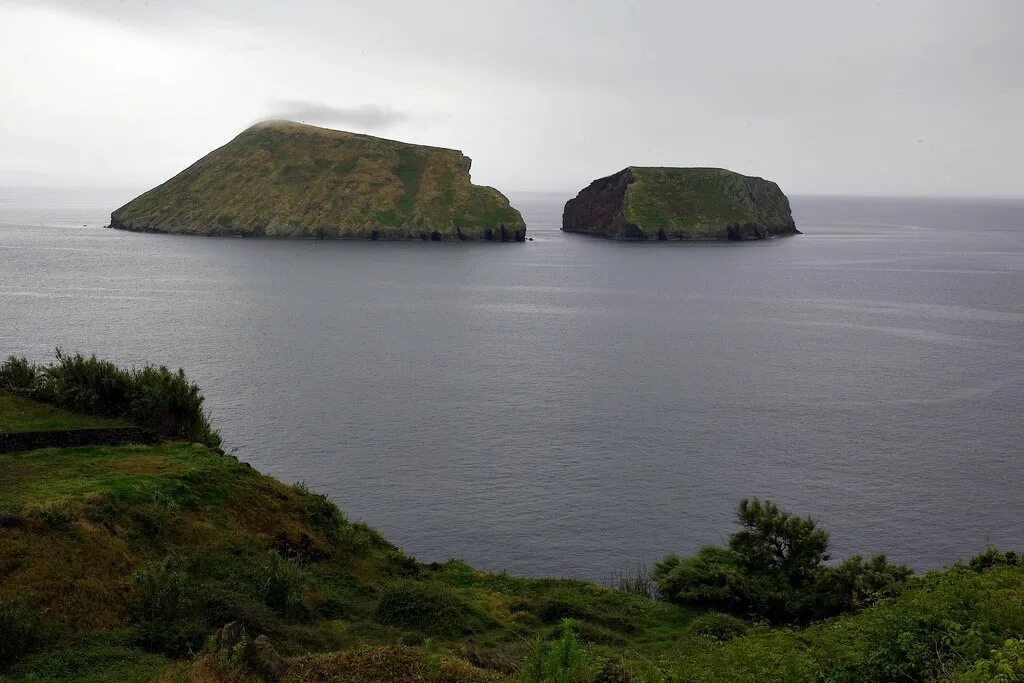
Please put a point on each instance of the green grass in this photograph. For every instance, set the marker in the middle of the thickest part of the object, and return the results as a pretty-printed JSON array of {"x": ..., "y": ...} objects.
[
  {"x": 409, "y": 170},
  {"x": 98, "y": 657},
  {"x": 72, "y": 475},
  {"x": 95, "y": 516},
  {"x": 130, "y": 556},
  {"x": 283, "y": 179},
  {"x": 701, "y": 202},
  {"x": 19, "y": 414}
]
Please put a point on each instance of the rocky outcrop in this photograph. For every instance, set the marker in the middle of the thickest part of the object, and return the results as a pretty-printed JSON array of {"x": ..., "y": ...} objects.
[
  {"x": 285, "y": 179},
  {"x": 639, "y": 203},
  {"x": 257, "y": 655}
]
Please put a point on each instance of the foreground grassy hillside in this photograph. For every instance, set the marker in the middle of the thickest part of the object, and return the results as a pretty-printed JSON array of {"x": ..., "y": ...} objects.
[
  {"x": 285, "y": 179},
  {"x": 126, "y": 563}
]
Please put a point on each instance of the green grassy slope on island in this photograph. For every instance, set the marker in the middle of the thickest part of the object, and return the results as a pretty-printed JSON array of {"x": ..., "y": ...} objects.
[
  {"x": 663, "y": 203},
  {"x": 285, "y": 179},
  {"x": 699, "y": 201},
  {"x": 125, "y": 563}
]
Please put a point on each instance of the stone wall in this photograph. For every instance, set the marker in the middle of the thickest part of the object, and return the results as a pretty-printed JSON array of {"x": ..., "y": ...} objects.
[{"x": 68, "y": 438}]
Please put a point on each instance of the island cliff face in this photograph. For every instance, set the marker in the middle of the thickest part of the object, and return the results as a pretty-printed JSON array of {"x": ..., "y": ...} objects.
[
  {"x": 285, "y": 179},
  {"x": 639, "y": 203}
]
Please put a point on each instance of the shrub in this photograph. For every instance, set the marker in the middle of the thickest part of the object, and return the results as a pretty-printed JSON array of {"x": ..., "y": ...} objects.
[
  {"x": 57, "y": 516},
  {"x": 161, "y": 607},
  {"x": 161, "y": 592},
  {"x": 322, "y": 514},
  {"x": 557, "y": 606},
  {"x": 1005, "y": 665},
  {"x": 104, "y": 508},
  {"x": 219, "y": 603},
  {"x": 773, "y": 540},
  {"x": 991, "y": 557},
  {"x": 564, "y": 660},
  {"x": 303, "y": 550},
  {"x": 101, "y": 656},
  {"x": 854, "y": 584},
  {"x": 710, "y": 578},
  {"x": 358, "y": 537},
  {"x": 168, "y": 402},
  {"x": 20, "y": 630},
  {"x": 774, "y": 568},
  {"x": 613, "y": 672},
  {"x": 388, "y": 663},
  {"x": 154, "y": 397},
  {"x": 941, "y": 622},
  {"x": 282, "y": 584},
  {"x": 431, "y": 608},
  {"x": 156, "y": 518},
  {"x": 17, "y": 375},
  {"x": 718, "y": 626},
  {"x": 637, "y": 579},
  {"x": 256, "y": 657}
]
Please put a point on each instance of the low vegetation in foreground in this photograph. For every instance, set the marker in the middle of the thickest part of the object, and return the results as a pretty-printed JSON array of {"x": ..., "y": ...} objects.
[
  {"x": 152, "y": 397},
  {"x": 176, "y": 562}
]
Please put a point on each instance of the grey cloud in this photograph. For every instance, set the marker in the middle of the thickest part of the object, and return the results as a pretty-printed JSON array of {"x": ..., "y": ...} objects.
[
  {"x": 370, "y": 116},
  {"x": 823, "y": 97}
]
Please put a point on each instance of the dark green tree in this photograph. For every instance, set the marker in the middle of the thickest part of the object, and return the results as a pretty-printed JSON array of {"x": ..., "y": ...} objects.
[
  {"x": 775, "y": 568},
  {"x": 775, "y": 541}
]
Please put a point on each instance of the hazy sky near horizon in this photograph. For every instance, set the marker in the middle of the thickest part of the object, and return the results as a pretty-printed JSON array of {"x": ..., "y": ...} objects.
[{"x": 895, "y": 97}]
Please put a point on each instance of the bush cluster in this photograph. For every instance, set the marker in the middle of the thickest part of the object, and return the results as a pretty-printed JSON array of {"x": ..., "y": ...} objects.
[
  {"x": 152, "y": 397},
  {"x": 58, "y": 516},
  {"x": 570, "y": 657},
  {"x": 637, "y": 579},
  {"x": 718, "y": 626},
  {"x": 20, "y": 630},
  {"x": 951, "y": 620},
  {"x": 327, "y": 518},
  {"x": 162, "y": 608},
  {"x": 564, "y": 660},
  {"x": 17, "y": 375},
  {"x": 774, "y": 568},
  {"x": 282, "y": 586},
  {"x": 432, "y": 608},
  {"x": 175, "y": 603},
  {"x": 1003, "y": 666}
]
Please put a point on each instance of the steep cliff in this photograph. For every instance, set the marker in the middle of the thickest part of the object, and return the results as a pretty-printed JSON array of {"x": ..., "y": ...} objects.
[{"x": 639, "y": 203}]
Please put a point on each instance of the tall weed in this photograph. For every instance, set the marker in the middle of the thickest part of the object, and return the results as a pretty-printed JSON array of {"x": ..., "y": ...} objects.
[{"x": 20, "y": 630}]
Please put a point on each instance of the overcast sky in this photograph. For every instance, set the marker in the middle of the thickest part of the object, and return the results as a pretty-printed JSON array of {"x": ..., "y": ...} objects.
[{"x": 918, "y": 97}]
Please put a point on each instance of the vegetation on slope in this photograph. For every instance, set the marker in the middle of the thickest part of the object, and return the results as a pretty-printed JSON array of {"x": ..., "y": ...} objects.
[
  {"x": 284, "y": 179},
  {"x": 179, "y": 563},
  {"x": 703, "y": 203},
  {"x": 640, "y": 203},
  {"x": 774, "y": 568}
]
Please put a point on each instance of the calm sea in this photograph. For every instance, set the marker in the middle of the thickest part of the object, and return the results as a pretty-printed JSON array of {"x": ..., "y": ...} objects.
[{"x": 570, "y": 405}]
